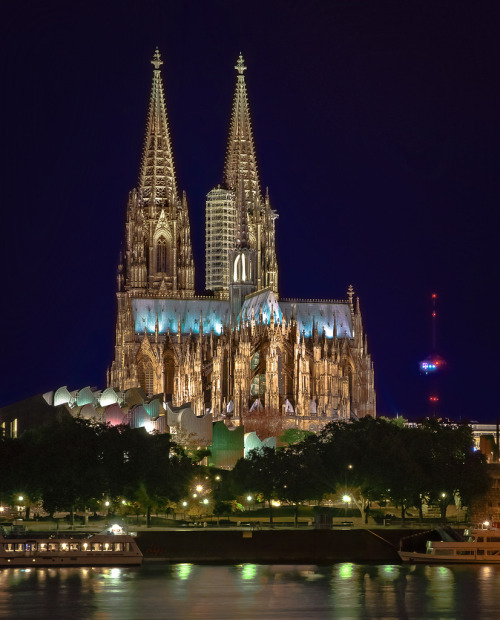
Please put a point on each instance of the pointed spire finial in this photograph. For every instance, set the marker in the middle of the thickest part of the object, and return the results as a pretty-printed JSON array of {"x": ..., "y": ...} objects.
[
  {"x": 350, "y": 293},
  {"x": 157, "y": 61},
  {"x": 240, "y": 65}
]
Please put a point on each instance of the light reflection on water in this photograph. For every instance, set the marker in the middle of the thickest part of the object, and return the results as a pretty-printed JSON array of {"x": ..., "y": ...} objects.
[{"x": 344, "y": 590}]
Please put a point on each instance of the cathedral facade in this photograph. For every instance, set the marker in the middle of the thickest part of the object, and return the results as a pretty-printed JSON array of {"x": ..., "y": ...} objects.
[{"x": 239, "y": 350}]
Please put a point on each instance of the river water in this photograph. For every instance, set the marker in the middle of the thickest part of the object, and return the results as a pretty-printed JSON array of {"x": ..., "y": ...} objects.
[{"x": 251, "y": 591}]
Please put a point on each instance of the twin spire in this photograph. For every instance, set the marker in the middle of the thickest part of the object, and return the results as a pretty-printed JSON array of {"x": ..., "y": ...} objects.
[
  {"x": 241, "y": 161},
  {"x": 157, "y": 181}
]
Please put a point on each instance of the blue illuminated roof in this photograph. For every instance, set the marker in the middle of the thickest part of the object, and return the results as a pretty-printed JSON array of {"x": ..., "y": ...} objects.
[
  {"x": 214, "y": 312},
  {"x": 323, "y": 314},
  {"x": 264, "y": 301}
]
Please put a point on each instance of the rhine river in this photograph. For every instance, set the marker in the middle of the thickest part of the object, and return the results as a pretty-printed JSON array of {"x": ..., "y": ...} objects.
[{"x": 251, "y": 591}]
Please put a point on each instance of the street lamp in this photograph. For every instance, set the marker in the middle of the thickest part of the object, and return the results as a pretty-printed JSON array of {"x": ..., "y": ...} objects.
[{"x": 347, "y": 501}]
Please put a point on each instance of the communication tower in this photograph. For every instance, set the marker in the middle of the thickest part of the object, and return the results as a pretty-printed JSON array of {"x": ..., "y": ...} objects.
[{"x": 433, "y": 364}]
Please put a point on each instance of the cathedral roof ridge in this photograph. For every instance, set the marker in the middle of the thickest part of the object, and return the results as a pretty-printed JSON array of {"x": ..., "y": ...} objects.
[
  {"x": 296, "y": 300},
  {"x": 260, "y": 291}
]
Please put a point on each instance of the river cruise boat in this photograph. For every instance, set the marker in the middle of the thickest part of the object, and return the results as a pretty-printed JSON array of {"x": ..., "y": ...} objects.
[
  {"x": 113, "y": 547},
  {"x": 480, "y": 545}
]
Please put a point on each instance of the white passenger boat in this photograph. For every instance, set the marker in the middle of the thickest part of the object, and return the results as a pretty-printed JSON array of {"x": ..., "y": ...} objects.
[
  {"x": 113, "y": 547},
  {"x": 481, "y": 545}
]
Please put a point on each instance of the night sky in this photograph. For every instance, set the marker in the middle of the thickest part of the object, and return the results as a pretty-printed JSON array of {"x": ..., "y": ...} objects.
[{"x": 377, "y": 131}]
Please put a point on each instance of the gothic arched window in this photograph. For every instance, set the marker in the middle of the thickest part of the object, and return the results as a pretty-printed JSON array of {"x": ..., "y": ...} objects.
[
  {"x": 146, "y": 377},
  {"x": 161, "y": 255}
]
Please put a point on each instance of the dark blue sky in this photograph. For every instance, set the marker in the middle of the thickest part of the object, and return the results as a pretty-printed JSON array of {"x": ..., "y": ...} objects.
[{"x": 377, "y": 132}]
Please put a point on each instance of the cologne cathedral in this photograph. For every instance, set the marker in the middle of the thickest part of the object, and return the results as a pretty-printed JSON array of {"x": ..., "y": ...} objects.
[{"x": 240, "y": 348}]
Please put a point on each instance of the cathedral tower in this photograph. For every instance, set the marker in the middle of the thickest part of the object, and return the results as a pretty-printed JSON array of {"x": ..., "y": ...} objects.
[
  {"x": 158, "y": 257},
  {"x": 221, "y": 206}
]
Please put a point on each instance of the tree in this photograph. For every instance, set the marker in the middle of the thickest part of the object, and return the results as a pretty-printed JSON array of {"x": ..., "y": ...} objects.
[
  {"x": 301, "y": 475},
  {"x": 292, "y": 436},
  {"x": 62, "y": 460},
  {"x": 156, "y": 470},
  {"x": 260, "y": 473},
  {"x": 458, "y": 470},
  {"x": 266, "y": 422}
]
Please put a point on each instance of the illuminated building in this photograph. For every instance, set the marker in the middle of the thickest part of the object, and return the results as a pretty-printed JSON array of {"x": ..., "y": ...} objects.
[{"x": 241, "y": 345}]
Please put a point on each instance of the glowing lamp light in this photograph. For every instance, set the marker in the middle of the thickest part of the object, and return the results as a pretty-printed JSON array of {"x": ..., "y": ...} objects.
[
  {"x": 205, "y": 501},
  {"x": 275, "y": 503},
  {"x": 217, "y": 477},
  {"x": 486, "y": 523},
  {"x": 346, "y": 498},
  {"x": 249, "y": 498},
  {"x": 2, "y": 508},
  {"x": 184, "y": 503},
  {"x": 199, "y": 488},
  {"x": 123, "y": 502},
  {"x": 106, "y": 503},
  {"x": 149, "y": 426},
  {"x": 20, "y": 498},
  {"x": 195, "y": 494}
]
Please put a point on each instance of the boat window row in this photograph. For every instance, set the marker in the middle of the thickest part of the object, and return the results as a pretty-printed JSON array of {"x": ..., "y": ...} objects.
[
  {"x": 22, "y": 547},
  {"x": 460, "y": 552}
]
